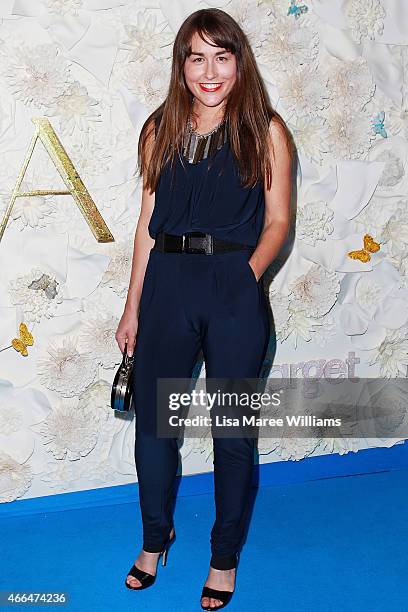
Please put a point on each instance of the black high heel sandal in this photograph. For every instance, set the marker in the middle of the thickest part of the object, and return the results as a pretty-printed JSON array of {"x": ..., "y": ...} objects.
[
  {"x": 144, "y": 578},
  {"x": 224, "y": 596}
]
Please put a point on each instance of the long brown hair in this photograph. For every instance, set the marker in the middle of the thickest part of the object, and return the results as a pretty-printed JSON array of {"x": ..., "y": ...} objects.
[{"x": 248, "y": 110}]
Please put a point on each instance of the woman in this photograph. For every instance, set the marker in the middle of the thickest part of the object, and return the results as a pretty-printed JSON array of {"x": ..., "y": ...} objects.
[{"x": 211, "y": 221}]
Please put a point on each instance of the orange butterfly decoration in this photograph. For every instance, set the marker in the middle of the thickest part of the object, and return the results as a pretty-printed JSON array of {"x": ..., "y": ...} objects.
[
  {"x": 370, "y": 246},
  {"x": 25, "y": 339}
]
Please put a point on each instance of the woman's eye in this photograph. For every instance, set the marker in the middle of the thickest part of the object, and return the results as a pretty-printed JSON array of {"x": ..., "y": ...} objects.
[{"x": 221, "y": 57}]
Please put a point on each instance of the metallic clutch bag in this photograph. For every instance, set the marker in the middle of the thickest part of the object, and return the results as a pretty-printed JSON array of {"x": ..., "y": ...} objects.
[{"x": 121, "y": 394}]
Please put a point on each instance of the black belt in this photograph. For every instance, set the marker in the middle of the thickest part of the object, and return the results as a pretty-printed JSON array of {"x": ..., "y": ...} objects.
[{"x": 196, "y": 242}]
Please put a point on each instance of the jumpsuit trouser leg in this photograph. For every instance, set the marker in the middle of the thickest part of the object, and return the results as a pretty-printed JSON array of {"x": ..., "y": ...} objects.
[{"x": 189, "y": 302}]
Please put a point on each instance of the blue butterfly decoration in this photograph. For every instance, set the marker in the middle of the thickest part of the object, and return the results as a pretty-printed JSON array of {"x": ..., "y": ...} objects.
[
  {"x": 296, "y": 10},
  {"x": 378, "y": 124}
]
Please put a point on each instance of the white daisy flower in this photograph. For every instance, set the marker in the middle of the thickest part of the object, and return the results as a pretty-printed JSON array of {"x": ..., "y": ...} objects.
[
  {"x": 75, "y": 109},
  {"x": 392, "y": 354},
  {"x": 36, "y": 74},
  {"x": 145, "y": 37}
]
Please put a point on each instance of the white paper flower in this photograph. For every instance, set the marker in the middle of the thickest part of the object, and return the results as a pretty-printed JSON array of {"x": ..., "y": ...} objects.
[
  {"x": 34, "y": 211},
  {"x": 76, "y": 108},
  {"x": 340, "y": 446},
  {"x": 368, "y": 294},
  {"x": 392, "y": 354},
  {"x": 64, "y": 7},
  {"x": 349, "y": 133},
  {"x": 100, "y": 471},
  {"x": 203, "y": 447},
  {"x": 325, "y": 331},
  {"x": 117, "y": 275},
  {"x": 301, "y": 313},
  {"x": 66, "y": 370},
  {"x": 293, "y": 449},
  {"x": 145, "y": 37},
  {"x": 314, "y": 222},
  {"x": 316, "y": 291},
  {"x": 38, "y": 293},
  {"x": 385, "y": 410},
  {"x": 351, "y": 83},
  {"x": 373, "y": 218},
  {"x": 149, "y": 80},
  {"x": 393, "y": 172},
  {"x": 15, "y": 478},
  {"x": 11, "y": 420},
  {"x": 91, "y": 152},
  {"x": 98, "y": 335},
  {"x": 62, "y": 475},
  {"x": 372, "y": 302},
  {"x": 254, "y": 18},
  {"x": 95, "y": 401},
  {"x": 309, "y": 134},
  {"x": 280, "y": 309},
  {"x": 68, "y": 432},
  {"x": 289, "y": 45},
  {"x": 303, "y": 90},
  {"x": 395, "y": 231},
  {"x": 365, "y": 18},
  {"x": 37, "y": 74},
  {"x": 300, "y": 325}
]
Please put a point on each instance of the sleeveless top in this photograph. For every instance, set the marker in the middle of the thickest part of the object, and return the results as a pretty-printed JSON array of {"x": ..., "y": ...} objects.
[{"x": 207, "y": 197}]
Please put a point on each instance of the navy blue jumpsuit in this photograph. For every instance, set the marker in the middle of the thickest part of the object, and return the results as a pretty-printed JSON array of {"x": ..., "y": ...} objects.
[{"x": 191, "y": 302}]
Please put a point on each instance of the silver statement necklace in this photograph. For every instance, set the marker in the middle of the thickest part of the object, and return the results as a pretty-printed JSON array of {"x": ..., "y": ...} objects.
[{"x": 199, "y": 146}]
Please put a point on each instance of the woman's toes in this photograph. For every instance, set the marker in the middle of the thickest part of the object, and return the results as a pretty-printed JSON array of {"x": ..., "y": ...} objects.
[{"x": 134, "y": 582}]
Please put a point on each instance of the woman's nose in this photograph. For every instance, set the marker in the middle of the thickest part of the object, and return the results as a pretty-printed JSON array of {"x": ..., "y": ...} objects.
[{"x": 210, "y": 71}]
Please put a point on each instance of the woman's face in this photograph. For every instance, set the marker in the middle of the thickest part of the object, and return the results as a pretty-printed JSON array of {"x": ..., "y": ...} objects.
[{"x": 210, "y": 72}]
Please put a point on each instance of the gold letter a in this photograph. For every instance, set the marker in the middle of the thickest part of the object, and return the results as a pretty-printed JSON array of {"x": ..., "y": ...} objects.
[{"x": 69, "y": 175}]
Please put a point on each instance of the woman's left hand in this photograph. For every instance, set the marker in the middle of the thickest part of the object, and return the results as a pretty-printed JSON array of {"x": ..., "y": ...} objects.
[{"x": 255, "y": 274}]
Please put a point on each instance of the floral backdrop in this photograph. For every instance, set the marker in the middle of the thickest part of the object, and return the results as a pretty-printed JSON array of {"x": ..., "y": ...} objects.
[{"x": 337, "y": 72}]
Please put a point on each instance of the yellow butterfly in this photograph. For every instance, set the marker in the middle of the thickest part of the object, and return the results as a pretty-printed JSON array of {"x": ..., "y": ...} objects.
[
  {"x": 370, "y": 246},
  {"x": 25, "y": 339}
]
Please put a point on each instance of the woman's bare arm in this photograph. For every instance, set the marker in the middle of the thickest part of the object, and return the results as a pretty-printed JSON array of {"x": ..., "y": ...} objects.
[
  {"x": 143, "y": 243},
  {"x": 277, "y": 205}
]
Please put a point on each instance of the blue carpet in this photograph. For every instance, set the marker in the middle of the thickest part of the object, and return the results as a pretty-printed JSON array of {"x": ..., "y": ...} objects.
[{"x": 335, "y": 544}]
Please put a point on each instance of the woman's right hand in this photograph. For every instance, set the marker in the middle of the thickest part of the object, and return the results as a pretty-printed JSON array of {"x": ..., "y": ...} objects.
[{"x": 126, "y": 332}]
